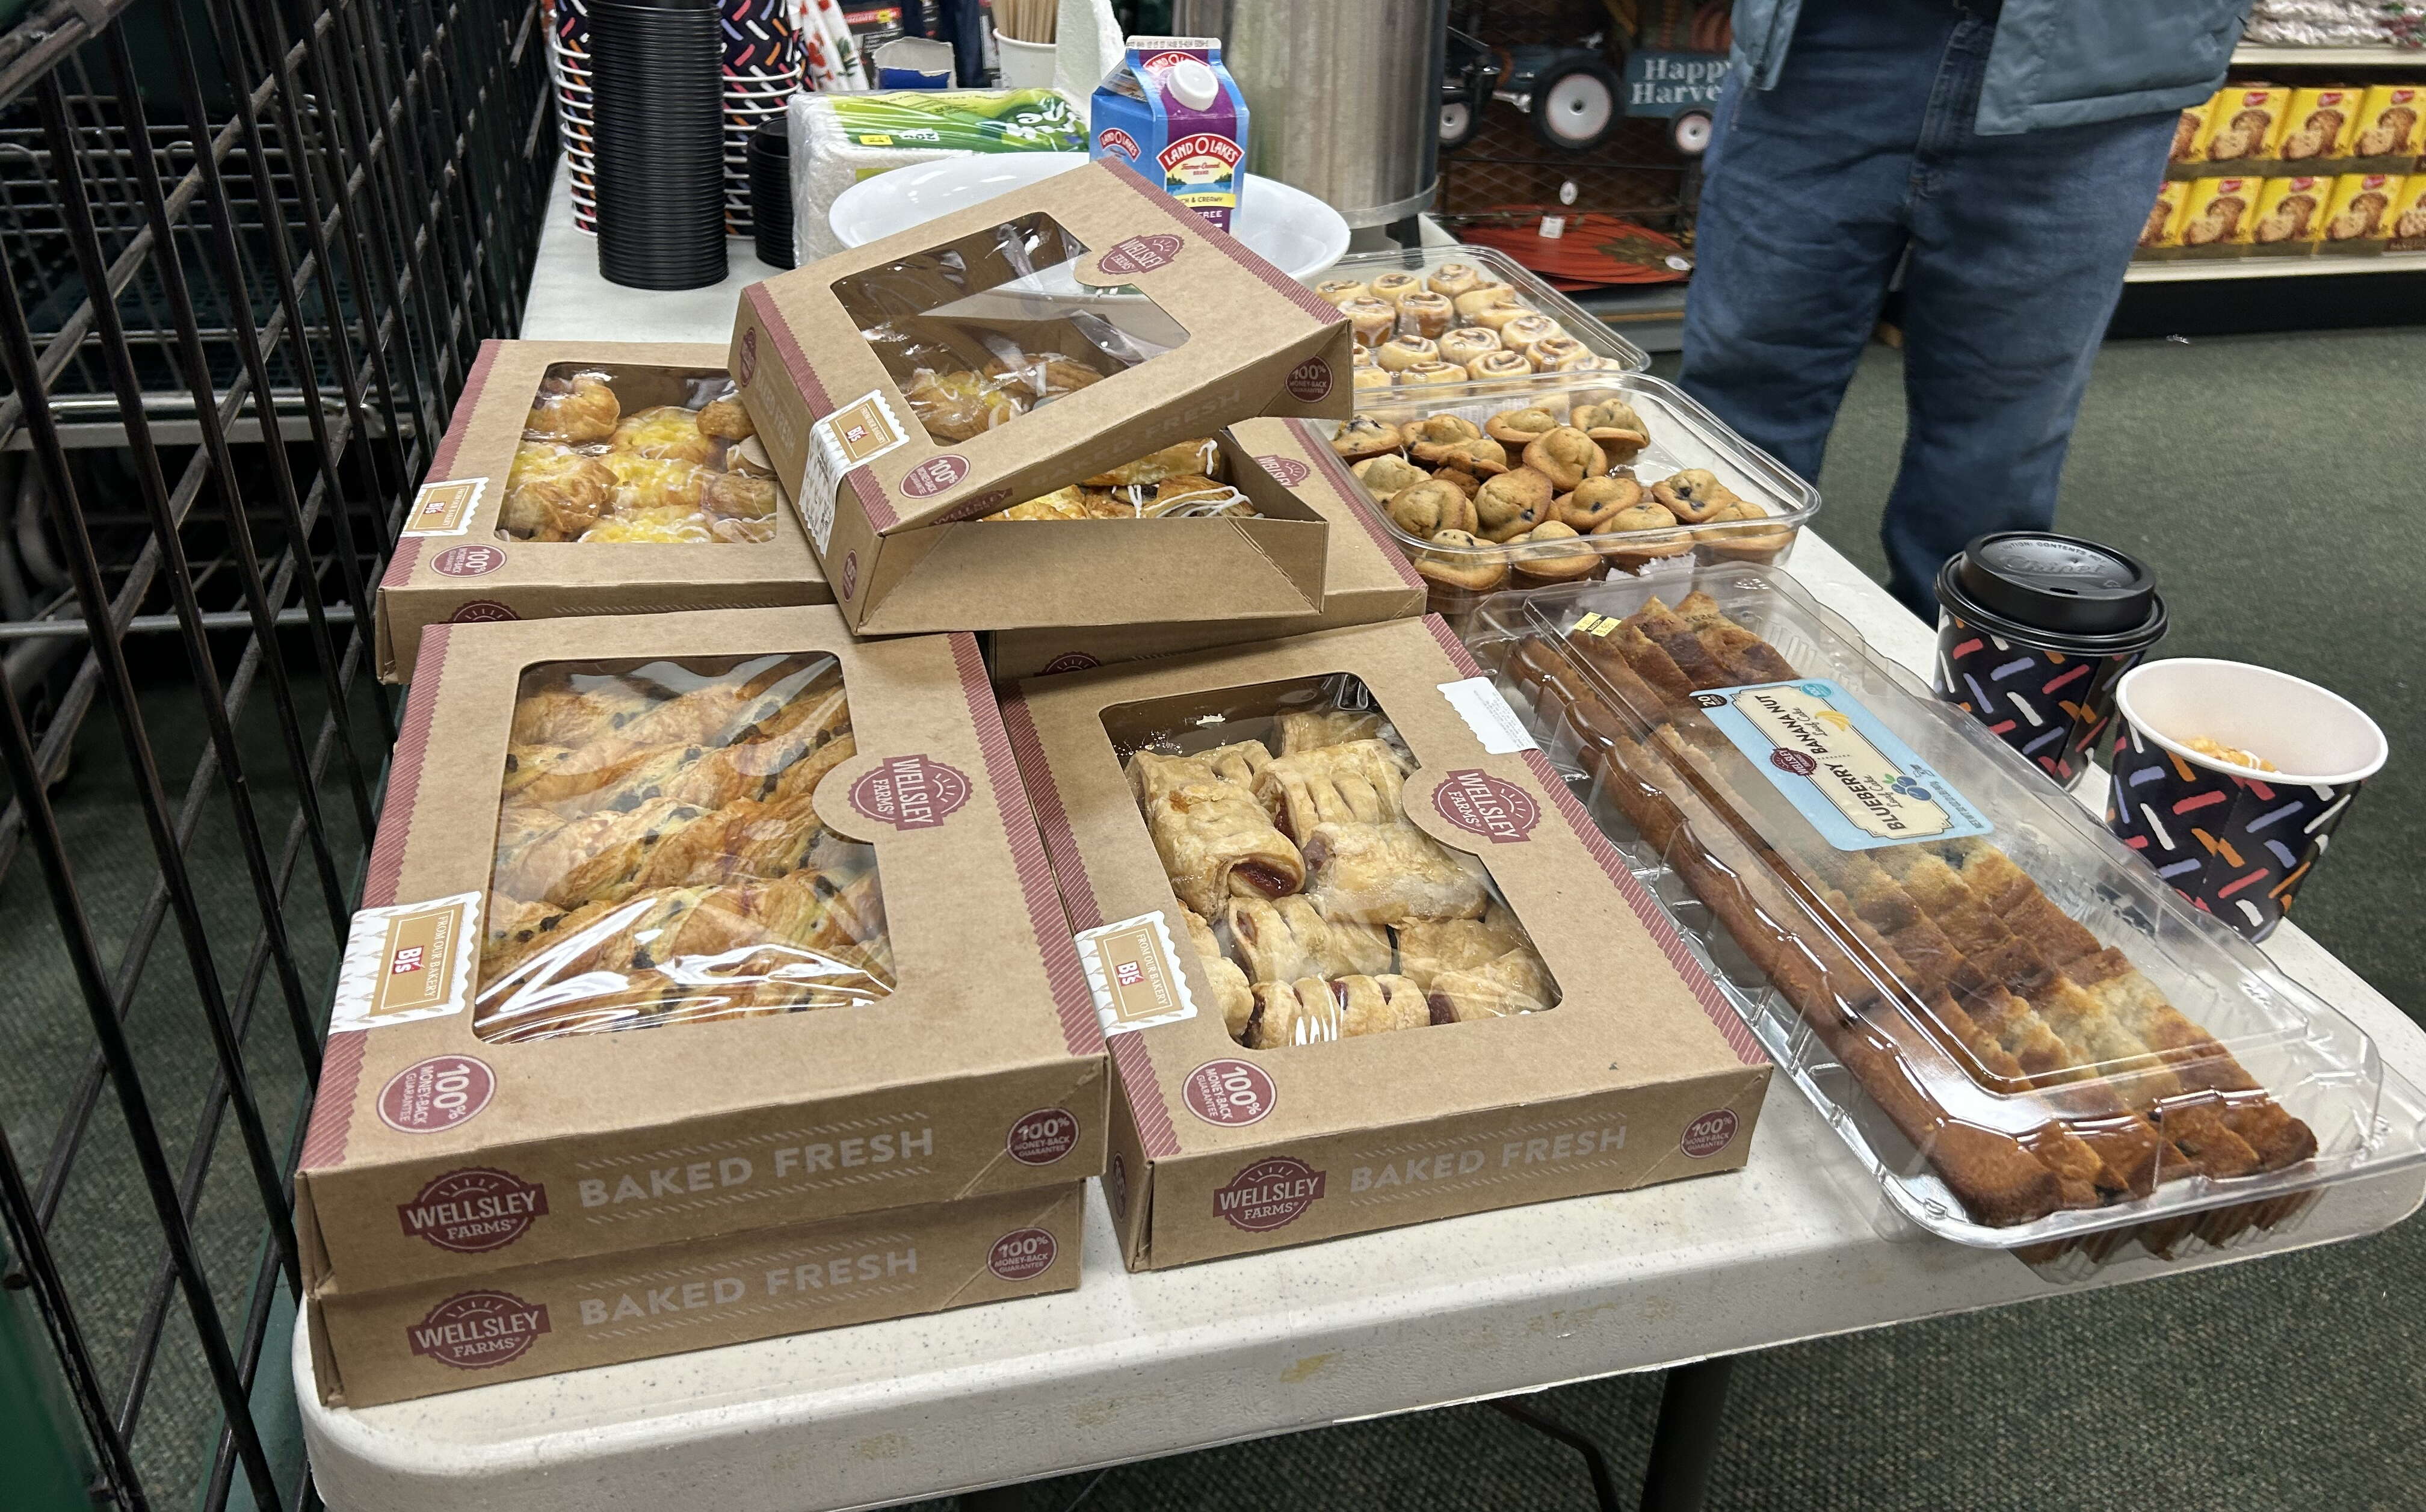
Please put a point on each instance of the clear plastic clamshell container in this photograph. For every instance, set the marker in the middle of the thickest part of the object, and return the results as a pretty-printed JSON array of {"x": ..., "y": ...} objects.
[
  {"x": 1496, "y": 266},
  {"x": 1682, "y": 437},
  {"x": 2031, "y": 1042}
]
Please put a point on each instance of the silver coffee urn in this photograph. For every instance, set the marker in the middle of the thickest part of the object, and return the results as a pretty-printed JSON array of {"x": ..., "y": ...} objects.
[{"x": 1344, "y": 95}]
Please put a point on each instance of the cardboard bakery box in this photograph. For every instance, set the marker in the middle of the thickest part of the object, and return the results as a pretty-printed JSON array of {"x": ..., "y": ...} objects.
[
  {"x": 619, "y": 863},
  {"x": 405, "y": 1342},
  {"x": 2290, "y": 216},
  {"x": 2361, "y": 216},
  {"x": 1366, "y": 578},
  {"x": 1361, "y": 959},
  {"x": 675, "y": 517},
  {"x": 2406, "y": 220},
  {"x": 1017, "y": 348}
]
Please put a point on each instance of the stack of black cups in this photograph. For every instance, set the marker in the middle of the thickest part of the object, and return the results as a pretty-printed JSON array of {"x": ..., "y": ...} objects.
[
  {"x": 770, "y": 192},
  {"x": 658, "y": 73}
]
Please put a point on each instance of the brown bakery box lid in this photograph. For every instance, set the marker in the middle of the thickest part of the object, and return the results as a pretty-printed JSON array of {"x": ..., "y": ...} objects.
[
  {"x": 1365, "y": 577},
  {"x": 587, "y": 479},
  {"x": 1361, "y": 958},
  {"x": 688, "y": 924},
  {"x": 908, "y": 388}
]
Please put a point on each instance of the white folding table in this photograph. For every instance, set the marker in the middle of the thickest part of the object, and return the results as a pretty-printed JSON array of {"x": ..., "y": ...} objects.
[{"x": 1130, "y": 1367}]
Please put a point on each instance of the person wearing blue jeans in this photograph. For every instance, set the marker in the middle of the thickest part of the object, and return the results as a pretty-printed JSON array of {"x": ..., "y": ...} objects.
[{"x": 2004, "y": 158}]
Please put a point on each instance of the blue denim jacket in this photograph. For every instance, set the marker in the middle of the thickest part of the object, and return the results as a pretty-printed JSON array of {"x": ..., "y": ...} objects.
[{"x": 2057, "y": 62}]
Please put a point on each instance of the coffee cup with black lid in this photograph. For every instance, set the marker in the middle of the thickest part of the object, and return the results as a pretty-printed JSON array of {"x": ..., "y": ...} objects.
[{"x": 2033, "y": 632}]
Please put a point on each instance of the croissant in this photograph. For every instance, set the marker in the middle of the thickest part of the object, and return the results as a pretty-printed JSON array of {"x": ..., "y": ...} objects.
[
  {"x": 665, "y": 430},
  {"x": 563, "y": 716},
  {"x": 654, "y": 483},
  {"x": 959, "y": 405},
  {"x": 578, "y": 410},
  {"x": 1427, "y": 947},
  {"x": 1311, "y": 1011},
  {"x": 1044, "y": 375},
  {"x": 726, "y": 420},
  {"x": 1214, "y": 838},
  {"x": 737, "y": 496},
  {"x": 1310, "y": 729},
  {"x": 1514, "y": 983},
  {"x": 554, "y": 492},
  {"x": 1358, "y": 780},
  {"x": 744, "y": 838}
]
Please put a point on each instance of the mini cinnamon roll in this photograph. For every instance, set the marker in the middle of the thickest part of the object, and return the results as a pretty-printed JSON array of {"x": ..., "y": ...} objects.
[
  {"x": 1551, "y": 353},
  {"x": 1339, "y": 291},
  {"x": 1393, "y": 287},
  {"x": 1498, "y": 317},
  {"x": 1400, "y": 353},
  {"x": 1500, "y": 364},
  {"x": 1523, "y": 331},
  {"x": 1429, "y": 374},
  {"x": 1425, "y": 315},
  {"x": 1466, "y": 343},
  {"x": 1486, "y": 297},
  {"x": 1454, "y": 278},
  {"x": 1372, "y": 320}
]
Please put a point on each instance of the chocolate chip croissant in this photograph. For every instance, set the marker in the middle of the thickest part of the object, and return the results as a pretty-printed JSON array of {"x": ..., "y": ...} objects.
[{"x": 1215, "y": 839}]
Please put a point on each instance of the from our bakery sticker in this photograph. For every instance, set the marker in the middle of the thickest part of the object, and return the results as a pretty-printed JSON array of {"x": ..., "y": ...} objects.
[
  {"x": 1022, "y": 1255},
  {"x": 910, "y": 793},
  {"x": 406, "y": 961},
  {"x": 1270, "y": 1194},
  {"x": 479, "y": 1330}
]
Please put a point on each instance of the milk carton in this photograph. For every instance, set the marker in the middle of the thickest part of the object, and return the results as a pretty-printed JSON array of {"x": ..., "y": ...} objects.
[{"x": 1171, "y": 112}]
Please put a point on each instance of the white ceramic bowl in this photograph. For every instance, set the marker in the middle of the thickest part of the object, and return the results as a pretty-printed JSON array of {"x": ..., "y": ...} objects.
[{"x": 1286, "y": 226}]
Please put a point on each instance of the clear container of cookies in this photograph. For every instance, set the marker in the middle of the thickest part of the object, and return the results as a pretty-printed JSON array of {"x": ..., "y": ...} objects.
[
  {"x": 659, "y": 859},
  {"x": 2030, "y": 1040},
  {"x": 1592, "y": 476}
]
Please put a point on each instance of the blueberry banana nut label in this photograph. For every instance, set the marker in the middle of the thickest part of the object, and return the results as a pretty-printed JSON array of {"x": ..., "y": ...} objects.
[{"x": 1861, "y": 787}]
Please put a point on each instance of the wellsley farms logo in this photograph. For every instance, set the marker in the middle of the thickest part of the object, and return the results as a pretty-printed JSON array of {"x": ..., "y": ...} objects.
[
  {"x": 910, "y": 793},
  {"x": 1481, "y": 804},
  {"x": 479, "y": 1330},
  {"x": 1269, "y": 1194},
  {"x": 473, "y": 1211},
  {"x": 1140, "y": 254}
]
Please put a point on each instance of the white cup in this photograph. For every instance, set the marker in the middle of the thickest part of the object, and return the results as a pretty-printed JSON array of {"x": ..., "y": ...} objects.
[{"x": 1024, "y": 65}]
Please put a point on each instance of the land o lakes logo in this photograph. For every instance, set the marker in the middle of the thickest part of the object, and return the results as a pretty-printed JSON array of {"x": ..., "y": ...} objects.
[
  {"x": 1269, "y": 1194},
  {"x": 1116, "y": 141},
  {"x": 1140, "y": 254},
  {"x": 910, "y": 793},
  {"x": 1481, "y": 804},
  {"x": 474, "y": 1209},
  {"x": 479, "y": 1330}
]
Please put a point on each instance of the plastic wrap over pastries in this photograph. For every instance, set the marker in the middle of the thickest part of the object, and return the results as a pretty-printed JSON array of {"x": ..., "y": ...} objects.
[
  {"x": 658, "y": 859},
  {"x": 1184, "y": 480},
  {"x": 590, "y": 470},
  {"x": 1319, "y": 911}
]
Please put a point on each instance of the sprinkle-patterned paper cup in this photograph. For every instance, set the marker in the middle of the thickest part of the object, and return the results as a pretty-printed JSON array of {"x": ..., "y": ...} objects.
[
  {"x": 2033, "y": 633},
  {"x": 2234, "y": 841}
]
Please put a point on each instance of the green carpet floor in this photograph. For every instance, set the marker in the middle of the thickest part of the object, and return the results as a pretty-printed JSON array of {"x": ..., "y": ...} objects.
[
  {"x": 2270, "y": 481},
  {"x": 2272, "y": 484}
]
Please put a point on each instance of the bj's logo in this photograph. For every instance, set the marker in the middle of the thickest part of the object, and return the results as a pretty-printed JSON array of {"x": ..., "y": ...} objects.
[
  {"x": 910, "y": 793},
  {"x": 473, "y": 1211},
  {"x": 479, "y": 1330},
  {"x": 1481, "y": 804}
]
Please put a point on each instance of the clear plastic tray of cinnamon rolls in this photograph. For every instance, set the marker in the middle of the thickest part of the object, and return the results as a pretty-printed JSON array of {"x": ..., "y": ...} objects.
[
  {"x": 2029, "y": 1041},
  {"x": 1595, "y": 474},
  {"x": 1319, "y": 911},
  {"x": 659, "y": 859},
  {"x": 639, "y": 455}
]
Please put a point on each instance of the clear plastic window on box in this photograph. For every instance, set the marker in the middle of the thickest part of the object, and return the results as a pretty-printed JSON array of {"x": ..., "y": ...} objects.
[
  {"x": 1317, "y": 910},
  {"x": 658, "y": 857},
  {"x": 636, "y": 454},
  {"x": 984, "y": 331}
]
